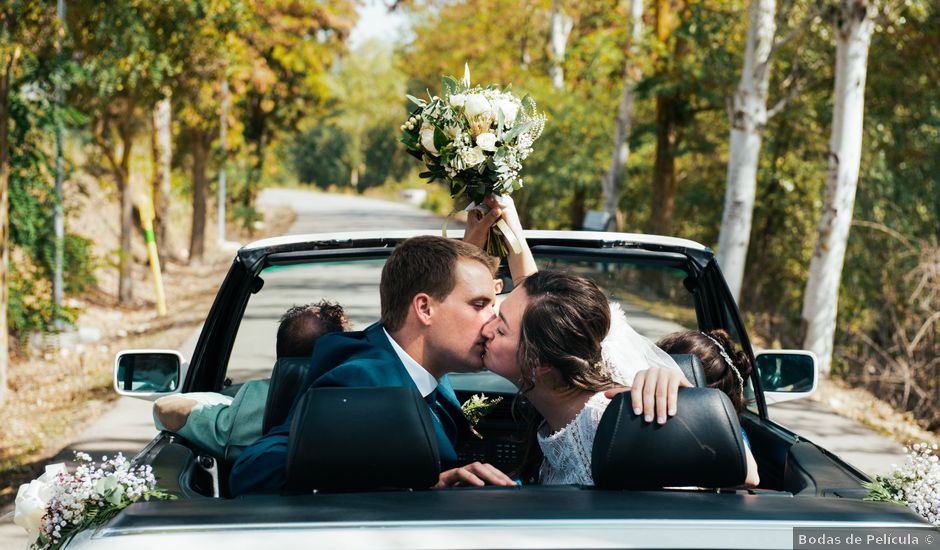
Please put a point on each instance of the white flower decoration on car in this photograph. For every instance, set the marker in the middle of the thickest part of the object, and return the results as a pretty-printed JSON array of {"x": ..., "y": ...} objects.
[{"x": 33, "y": 498}]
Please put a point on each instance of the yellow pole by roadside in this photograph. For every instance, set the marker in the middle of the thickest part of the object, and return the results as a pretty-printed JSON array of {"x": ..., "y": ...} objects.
[{"x": 146, "y": 218}]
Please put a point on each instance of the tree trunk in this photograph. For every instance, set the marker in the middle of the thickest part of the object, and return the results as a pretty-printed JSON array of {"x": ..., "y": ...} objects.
[
  {"x": 5, "y": 77},
  {"x": 664, "y": 168},
  {"x": 748, "y": 118},
  {"x": 125, "y": 283},
  {"x": 667, "y": 135},
  {"x": 621, "y": 152},
  {"x": 561, "y": 26},
  {"x": 853, "y": 25},
  {"x": 161, "y": 140},
  {"x": 200, "y": 184}
]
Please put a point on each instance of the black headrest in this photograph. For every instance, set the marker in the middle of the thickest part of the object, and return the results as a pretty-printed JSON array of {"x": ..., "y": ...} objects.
[
  {"x": 700, "y": 446},
  {"x": 362, "y": 438},
  {"x": 691, "y": 367},
  {"x": 286, "y": 379}
]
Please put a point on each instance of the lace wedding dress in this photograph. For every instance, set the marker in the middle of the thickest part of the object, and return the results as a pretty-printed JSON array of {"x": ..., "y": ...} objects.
[{"x": 567, "y": 452}]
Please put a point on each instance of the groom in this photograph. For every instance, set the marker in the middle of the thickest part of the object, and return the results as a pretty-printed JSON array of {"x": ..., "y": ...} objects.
[{"x": 436, "y": 294}]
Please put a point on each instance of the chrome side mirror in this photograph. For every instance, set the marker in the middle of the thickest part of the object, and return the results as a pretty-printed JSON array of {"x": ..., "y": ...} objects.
[
  {"x": 786, "y": 374},
  {"x": 149, "y": 374}
]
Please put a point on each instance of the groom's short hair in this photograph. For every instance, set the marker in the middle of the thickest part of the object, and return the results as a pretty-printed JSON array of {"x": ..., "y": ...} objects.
[{"x": 423, "y": 264}]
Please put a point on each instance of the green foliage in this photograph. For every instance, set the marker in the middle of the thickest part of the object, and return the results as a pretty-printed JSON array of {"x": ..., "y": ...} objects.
[
  {"x": 320, "y": 156},
  {"x": 32, "y": 201}
]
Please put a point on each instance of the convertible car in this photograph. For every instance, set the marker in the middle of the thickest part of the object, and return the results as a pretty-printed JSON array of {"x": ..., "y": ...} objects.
[{"x": 655, "y": 485}]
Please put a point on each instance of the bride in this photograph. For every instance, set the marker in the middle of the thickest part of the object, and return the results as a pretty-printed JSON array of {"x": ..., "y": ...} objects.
[{"x": 569, "y": 351}]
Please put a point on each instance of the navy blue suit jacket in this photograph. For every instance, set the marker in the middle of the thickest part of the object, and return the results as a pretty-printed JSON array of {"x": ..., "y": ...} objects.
[{"x": 342, "y": 359}]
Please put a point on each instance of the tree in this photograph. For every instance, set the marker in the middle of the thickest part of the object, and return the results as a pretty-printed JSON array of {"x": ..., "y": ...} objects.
[
  {"x": 748, "y": 114},
  {"x": 161, "y": 140},
  {"x": 669, "y": 111},
  {"x": 24, "y": 31},
  {"x": 285, "y": 51},
  {"x": 127, "y": 49},
  {"x": 853, "y": 22},
  {"x": 561, "y": 25},
  {"x": 613, "y": 178}
]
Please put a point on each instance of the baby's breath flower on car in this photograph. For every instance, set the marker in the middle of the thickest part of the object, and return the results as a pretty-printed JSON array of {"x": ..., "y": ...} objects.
[
  {"x": 475, "y": 140},
  {"x": 57, "y": 505},
  {"x": 915, "y": 484}
]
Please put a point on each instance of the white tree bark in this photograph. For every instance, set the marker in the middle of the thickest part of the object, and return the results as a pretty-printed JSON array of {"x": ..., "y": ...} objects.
[
  {"x": 621, "y": 153},
  {"x": 561, "y": 26},
  {"x": 748, "y": 118},
  {"x": 163, "y": 159},
  {"x": 853, "y": 25}
]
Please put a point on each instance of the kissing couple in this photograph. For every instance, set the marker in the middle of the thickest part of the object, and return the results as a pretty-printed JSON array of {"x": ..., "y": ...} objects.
[{"x": 438, "y": 316}]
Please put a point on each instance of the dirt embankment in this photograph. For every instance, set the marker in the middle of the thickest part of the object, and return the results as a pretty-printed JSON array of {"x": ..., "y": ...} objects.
[{"x": 54, "y": 393}]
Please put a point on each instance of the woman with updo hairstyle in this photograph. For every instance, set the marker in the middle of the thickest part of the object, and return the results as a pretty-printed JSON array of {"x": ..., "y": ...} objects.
[{"x": 725, "y": 369}]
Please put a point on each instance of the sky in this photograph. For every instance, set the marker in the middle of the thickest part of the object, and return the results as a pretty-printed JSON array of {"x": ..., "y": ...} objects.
[{"x": 376, "y": 23}]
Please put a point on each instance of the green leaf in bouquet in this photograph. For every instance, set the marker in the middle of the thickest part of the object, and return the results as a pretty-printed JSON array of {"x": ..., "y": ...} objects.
[
  {"x": 440, "y": 139},
  {"x": 417, "y": 100},
  {"x": 516, "y": 130},
  {"x": 449, "y": 86},
  {"x": 500, "y": 121},
  {"x": 528, "y": 104},
  {"x": 426, "y": 175},
  {"x": 415, "y": 152},
  {"x": 508, "y": 88}
]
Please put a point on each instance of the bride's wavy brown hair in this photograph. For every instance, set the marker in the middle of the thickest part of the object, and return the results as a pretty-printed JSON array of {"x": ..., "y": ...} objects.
[{"x": 563, "y": 325}]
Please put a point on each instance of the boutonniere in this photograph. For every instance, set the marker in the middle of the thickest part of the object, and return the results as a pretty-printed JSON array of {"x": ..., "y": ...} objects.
[{"x": 476, "y": 408}]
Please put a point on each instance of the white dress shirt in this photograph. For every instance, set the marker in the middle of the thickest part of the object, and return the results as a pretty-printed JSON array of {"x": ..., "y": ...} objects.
[{"x": 423, "y": 379}]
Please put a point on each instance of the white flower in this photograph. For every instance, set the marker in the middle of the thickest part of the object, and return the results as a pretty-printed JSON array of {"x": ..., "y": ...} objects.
[
  {"x": 477, "y": 105},
  {"x": 457, "y": 100},
  {"x": 33, "y": 498},
  {"x": 509, "y": 108},
  {"x": 487, "y": 141},
  {"x": 427, "y": 139},
  {"x": 474, "y": 156}
]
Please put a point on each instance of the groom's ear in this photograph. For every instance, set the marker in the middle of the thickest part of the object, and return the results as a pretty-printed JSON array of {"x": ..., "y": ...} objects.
[{"x": 422, "y": 306}]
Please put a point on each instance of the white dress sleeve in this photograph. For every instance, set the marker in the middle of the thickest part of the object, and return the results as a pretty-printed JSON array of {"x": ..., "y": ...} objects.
[{"x": 567, "y": 452}]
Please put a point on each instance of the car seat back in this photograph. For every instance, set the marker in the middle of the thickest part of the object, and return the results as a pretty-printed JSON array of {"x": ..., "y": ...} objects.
[
  {"x": 700, "y": 446},
  {"x": 362, "y": 439}
]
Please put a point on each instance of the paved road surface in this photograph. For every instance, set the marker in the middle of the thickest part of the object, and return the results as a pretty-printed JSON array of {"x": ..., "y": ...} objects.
[{"x": 128, "y": 426}]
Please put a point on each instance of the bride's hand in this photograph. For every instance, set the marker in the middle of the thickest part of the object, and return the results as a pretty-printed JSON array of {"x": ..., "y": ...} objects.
[
  {"x": 479, "y": 224},
  {"x": 510, "y": 215},
  {"x": 655, "y": 393}
]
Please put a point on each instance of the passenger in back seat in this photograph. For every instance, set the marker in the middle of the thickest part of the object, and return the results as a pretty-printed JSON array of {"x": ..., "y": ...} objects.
[{"x": 213, "y": 421}]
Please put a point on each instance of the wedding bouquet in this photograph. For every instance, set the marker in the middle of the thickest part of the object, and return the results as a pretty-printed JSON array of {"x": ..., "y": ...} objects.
[
  {"x": 59, "y": 504},
  {"x": 475, "y": 140},
  {"x": 916, "y": 484}
]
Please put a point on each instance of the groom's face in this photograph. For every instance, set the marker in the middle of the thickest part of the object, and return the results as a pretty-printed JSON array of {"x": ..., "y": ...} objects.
[{"x": 455, "y": 334}]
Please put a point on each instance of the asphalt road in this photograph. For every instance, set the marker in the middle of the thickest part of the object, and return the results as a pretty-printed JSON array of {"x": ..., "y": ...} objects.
[{"x": 128, "y": 426}]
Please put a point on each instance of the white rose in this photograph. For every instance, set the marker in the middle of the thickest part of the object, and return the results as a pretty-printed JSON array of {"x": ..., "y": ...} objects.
[
  {"x": 457, "y": 100},
  {"x": 509, "y": 109},
  {"x": 33, "y": 498},
  {"x": 487, "y": 141},
  {"x": 474, "y": 157},
  {"x": 476, "y": 105},
  {"x": 427, "y": 139}
]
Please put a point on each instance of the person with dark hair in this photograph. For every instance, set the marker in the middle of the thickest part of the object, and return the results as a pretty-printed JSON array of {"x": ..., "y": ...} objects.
[
  {"x": 725, "y": 369},
  {"x": 550, "y": 339},
  {"x": 213, "y": 421},
  {"x": 436, "y": 294}
]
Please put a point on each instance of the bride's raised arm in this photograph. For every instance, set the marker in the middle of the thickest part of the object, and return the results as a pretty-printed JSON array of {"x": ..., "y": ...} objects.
[{"x": 521, "y": 264}]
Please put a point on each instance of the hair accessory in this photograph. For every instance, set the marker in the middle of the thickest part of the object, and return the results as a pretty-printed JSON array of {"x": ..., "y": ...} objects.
[{"x": 727, "y": 358}]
